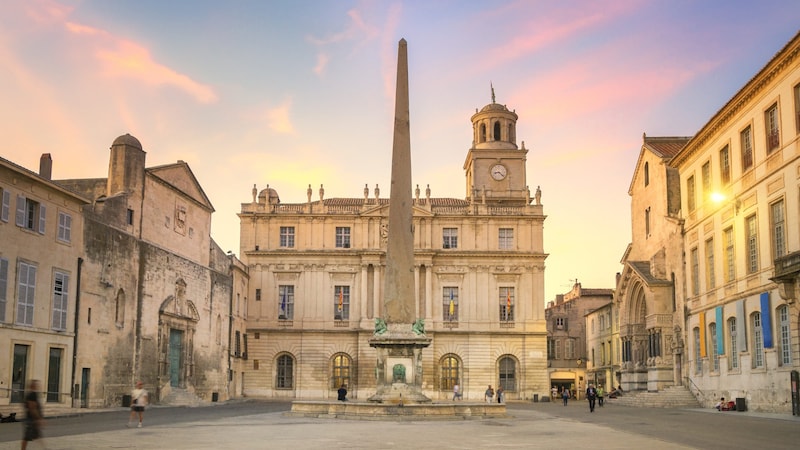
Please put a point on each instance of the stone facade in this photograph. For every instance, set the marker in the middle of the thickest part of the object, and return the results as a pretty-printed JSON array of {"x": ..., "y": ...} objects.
[
  {"x": 711, "y": 302},
  {"x": 156, "y": 291},
  {"x": 567, "y": 351},
  {"x": 41, "y": 243},
  {"x": 317, "y": 273}
]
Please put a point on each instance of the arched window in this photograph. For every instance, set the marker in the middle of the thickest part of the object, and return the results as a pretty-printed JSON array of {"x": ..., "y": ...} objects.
[
  {"x": 698, "y": 363},
  {"x": 341, "y": 364},
  {"x": 758, "y": 341},
  {"x": 119, "y": 313},
  {"x": 712, "y": 334},
  {"x": 784, "y": 335},
  {"x": 483, "y": 132},
  {"x": 450, "y": 368},
  {"x": 646, "y": 174},
  {"x": 496, "y": 131},
  {"x": 284, "y": 373},
  {"x": 508, "y": 374},
  {"x": 733, "y": 356}
]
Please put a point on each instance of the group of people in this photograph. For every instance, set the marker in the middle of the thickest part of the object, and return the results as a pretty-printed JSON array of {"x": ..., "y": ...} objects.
[
  {"x": 34, "y": 418},
  {"x": 595, "y": 395}
]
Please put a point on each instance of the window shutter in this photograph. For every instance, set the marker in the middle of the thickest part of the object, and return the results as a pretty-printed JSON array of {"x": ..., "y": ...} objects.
[
  {"x": 4, "y": 210},
  {"x": 42, "y": 210},
  {"x": 20, "y": 210},
  {"x": 565, "y": 324}
]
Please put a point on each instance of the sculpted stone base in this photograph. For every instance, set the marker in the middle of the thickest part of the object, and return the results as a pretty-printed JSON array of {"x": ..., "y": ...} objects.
[{"x": 398, "y": 369}]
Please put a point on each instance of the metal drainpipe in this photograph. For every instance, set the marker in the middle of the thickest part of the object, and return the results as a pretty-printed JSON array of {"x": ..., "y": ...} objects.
[{"x": 73, "y": 391}]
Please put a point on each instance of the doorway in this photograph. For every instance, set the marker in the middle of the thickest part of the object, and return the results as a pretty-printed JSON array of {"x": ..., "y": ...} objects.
[
  {"x": 175, "y": 351},
  {"x": 20, "y": 373},
  {"x": 85, "y": 377}
]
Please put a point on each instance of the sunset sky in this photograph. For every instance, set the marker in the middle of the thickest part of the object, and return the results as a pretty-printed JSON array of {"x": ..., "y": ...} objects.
[{"x": 297, "y": 92}]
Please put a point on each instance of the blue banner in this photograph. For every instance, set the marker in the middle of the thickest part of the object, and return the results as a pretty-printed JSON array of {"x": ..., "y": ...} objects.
[{"x": 766, "y": 320}]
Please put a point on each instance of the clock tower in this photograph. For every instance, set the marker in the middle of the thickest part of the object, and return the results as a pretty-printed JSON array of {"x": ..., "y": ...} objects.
[{"x": 495, "y": 166}]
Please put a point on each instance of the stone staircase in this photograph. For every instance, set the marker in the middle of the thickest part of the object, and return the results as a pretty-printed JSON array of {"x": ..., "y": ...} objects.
[
  {"x": 670, "y": 397},
  {"x": 181, "y": 397}
]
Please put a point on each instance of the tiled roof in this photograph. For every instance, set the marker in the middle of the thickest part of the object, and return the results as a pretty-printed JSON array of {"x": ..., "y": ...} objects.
[{"x": 667, "y": 146}]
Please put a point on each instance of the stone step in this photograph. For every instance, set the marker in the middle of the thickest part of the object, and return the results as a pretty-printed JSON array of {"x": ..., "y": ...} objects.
[{"x": 672, "y": 397}]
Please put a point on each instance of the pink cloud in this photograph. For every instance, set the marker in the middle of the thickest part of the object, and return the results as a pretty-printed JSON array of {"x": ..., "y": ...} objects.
[
  {"x": 279, "y": 120},
  {"x": 128, "y": 59}
]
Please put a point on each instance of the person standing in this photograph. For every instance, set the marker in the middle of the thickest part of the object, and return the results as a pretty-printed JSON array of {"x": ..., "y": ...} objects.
[
  {"x": 342, "y": 393},
  {"x": 600, "y": 394},
  {"x": 34, "y": 420},
  {"x": 554, "y": 392},
  {"x": 500, "y": 394},
  {"x": 591, "y": 395},
  {"x": 489, "y": 394},
  {"x": 565, "y": 395},
  {"x": 138, "y": 402}
]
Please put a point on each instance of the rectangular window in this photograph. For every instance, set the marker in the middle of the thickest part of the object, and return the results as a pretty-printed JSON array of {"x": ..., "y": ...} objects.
[
  {"x": 725, "y": 166},
  {"x": 30, "y": 214},
  {"x": 26, "y": 290},
  {"x": 751, "y": 238},
  {"x": 237, "y": 344},
  {"x": 60, "y": 300},
  {"x": 695, "y": 262},
  {"x": 3, "y": 288},
  {"x": 691, "y": 195},
  {"x": 758, "y": 342},
  {"x": 747, "y": 149},
  {"x": 286, "y": 302},
  {"x": 258, "y": 294},
  {"x": 647, "y": 223},
  {"x": 706, "y": 175},
  {"x": 797, "y": 107},
  {"x": 771, "y": 128},
  {"x": 506, "y": 238},
  {"x": 777, "y": 219},
  {"x": 569, "y": 349},
  {"x": 64, "y": 227},
  {"x": 506, "y": 304},
  {"x": 341, "y": 309},
  {"x": 730, "y": 267},
  {"x": 710, "y": 275},
  {"x": 287, "y": 237},
  {"x": 449, "y": 237},
  {"x": 342, "y": 237},
  {"x": 450, "y": 304},
  {"x": 551, "y": 348},
  {"x": 733, "y": 358},
  {"x": 130, "y": 217},
  {"x": 5, "y": 207}
]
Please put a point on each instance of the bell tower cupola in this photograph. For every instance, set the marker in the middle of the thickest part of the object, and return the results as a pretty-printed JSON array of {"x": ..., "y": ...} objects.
[{"x": 495, "y": 165}]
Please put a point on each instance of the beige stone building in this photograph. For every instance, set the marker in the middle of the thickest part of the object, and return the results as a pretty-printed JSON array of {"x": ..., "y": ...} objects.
[
  {"x": 708, "y": 297},
  {"x": 602, "y": 346},
  {"x": 41, "y": 242},
  {"x": 567, "y": 335},
  {"x": 157, "y": 299},
  {"x": 316, "y": 278}
]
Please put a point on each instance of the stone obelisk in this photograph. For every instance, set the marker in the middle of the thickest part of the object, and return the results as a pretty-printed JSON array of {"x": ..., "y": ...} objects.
[
  {"x": 399, "y": 338},
  {"x": 398, "y": 286}
]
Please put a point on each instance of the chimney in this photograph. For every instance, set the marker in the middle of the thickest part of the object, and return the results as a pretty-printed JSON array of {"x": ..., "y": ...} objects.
[{"x": 46, "y": 166}]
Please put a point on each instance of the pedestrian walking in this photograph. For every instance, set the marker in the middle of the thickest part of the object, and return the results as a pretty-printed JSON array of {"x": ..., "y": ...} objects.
[
  {"x": 565, "y": 395},
  {"x": 457, "y": 392},
  {"x": 600, "y": 395},
  {"x": 591, "y": 395},
  {"x": 34, "y": 419},
  {"x": 489, "y": 394},
  {"x": 138, "y": 402}
]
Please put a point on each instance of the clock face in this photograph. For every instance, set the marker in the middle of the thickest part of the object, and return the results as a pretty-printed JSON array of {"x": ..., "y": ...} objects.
[{"x": 498, "y": 171}]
